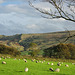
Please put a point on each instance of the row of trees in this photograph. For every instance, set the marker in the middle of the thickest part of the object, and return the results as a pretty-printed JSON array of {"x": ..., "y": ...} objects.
[
  {"x": 8, "y": 50},
  {"x": 61, "y": 51}
]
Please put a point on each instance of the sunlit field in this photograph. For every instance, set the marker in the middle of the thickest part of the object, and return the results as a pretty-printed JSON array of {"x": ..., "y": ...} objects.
[{"x": 17, "y": 67}]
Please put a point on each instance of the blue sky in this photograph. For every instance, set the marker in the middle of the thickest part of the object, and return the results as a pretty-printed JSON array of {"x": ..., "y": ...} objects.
[
  {"x": 10, "y": 2},
  {"x": 17, "y": 17}
]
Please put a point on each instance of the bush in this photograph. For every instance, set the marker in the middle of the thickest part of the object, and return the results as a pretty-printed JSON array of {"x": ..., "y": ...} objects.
[
  {"x": 61, "y": 51},
  {"x": 8, "y": 50}
]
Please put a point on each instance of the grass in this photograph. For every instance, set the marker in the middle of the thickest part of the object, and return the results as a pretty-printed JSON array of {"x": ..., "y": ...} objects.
[{"x": 16, "y": 67}]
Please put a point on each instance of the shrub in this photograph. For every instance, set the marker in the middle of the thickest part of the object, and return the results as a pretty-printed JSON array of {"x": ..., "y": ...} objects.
[
  {"x": 8, "y": 50},
  {"x": 61, "y": 51}
]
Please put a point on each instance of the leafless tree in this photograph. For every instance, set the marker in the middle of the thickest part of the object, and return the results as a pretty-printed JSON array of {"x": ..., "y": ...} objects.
[
  {"x": 66, "y": 38},
  {"x": 63, "y": 9},
  {"x": 60, "y": 11}
]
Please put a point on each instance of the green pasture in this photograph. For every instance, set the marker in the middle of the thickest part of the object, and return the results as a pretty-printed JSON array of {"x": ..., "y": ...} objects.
[{"x": 16, "y": 67}]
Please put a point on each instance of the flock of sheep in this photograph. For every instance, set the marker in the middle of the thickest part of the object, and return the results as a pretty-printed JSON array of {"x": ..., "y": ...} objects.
[{"x": 33, "y": 60}]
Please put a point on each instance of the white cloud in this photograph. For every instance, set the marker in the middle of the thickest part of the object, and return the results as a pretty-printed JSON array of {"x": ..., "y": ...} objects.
[
  {"x": 33, "y": 26},
  {"x": 15, "y": 8},
  {"x": 59, "y": 19},
  {"x": 21, "y": 18}
]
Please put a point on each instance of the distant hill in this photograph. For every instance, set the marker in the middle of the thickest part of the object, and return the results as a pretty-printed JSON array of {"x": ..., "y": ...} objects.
[{"x": 44, "y": 40}]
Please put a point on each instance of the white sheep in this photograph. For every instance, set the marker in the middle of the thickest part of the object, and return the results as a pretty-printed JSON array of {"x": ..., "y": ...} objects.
[
  {"x": 51, "y": 69},
  {"x": 67, "y": 65},
  {"x": 24, "y": 59},
  {"x": 26, "y": 69},
  {"x": 41, "y": 61},
  {"x": 58, "y": 64},
  {"x": 57, "y": 70},
  {"x": 18, "y": 59},
  {"x": 14, "y": 58},
  {"x": 48, "y": 63},
  {"x": 3, "y": 62},
  {"x": 51, "y": 63},
  {"x": 73, "y": 63}
]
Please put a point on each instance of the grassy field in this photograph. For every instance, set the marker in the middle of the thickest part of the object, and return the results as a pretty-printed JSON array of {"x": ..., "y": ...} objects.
[{"x": 16, "y": 67}]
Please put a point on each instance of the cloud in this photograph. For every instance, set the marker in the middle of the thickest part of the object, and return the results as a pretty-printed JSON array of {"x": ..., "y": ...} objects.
[
  {"x": 22, "y": 18},
  {"x": 2, "y": 1}
]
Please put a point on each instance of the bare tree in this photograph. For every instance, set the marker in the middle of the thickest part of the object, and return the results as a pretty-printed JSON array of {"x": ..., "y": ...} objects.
[
  {"x": 60, "y": 11},
  {"x": 66, "y": 38}
]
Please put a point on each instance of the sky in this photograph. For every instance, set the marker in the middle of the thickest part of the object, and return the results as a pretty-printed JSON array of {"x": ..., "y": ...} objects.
[{"x": 18, "y": 17}]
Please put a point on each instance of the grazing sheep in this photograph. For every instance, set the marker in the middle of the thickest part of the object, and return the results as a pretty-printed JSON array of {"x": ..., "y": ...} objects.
[
  {"x": 51, "y": 63},
  {"x": 48, "y": 63},
  {"x": 26, "y": 69},
  {"x": 9, "y": 57},
  {"x": 41, "y": 61},
  {"x": 33, "y": 60},
  {"x": 58, "y": 64},
  {"x": 36, "y": 61},
  {"x": 25, "y": 60},
  {"x": 3, "y": 62},
  {"x": 73, "y": 63},
  {"x": 18, "y": 59},
  {"x": 67, "y": 65},
  {"x": 15, "y": 59},
  {"x": 57, "y": 70},
  {"x": 0, "y": 58},
  {"x": 51, "y": 69}
]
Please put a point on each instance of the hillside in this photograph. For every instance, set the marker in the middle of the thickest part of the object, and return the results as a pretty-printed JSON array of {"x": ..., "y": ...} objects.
[{"x": 44, "y": 40}]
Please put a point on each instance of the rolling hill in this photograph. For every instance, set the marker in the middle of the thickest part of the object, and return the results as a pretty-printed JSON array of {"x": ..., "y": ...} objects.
[{"x": 44, "y": 40}]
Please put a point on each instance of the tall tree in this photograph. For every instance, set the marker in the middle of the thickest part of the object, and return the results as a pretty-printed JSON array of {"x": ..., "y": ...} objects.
[{"x": 33, "y": 49}]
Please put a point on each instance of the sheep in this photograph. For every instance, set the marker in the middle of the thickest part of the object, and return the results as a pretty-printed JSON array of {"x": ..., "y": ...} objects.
[
  {"x": 62, "y": 63},
  {"x": 73, "y": 63},
  {"x": 67, "y": 65},
  {"x": 51, "y": 63},
  {"x": 3, "y": 62},
  {"x": 18, "y": 59},
  {"x": 0, "y": 58},
  {"x": 58, "y": 64},
  {"x": 41, "y": 61},
  {"x": 26, "y": 69},
  {"x": 51, "y": 69},
  {"x": 57, "y": 70},
  {"x": 25, "y": 60},
  {"x": 48, "y": 63},
  {"x": 32, "y": 60},
  {"x": 36, "y": 61},
  {"x": 8, "y": 57},
  {"x": 14, "y": 58}
]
